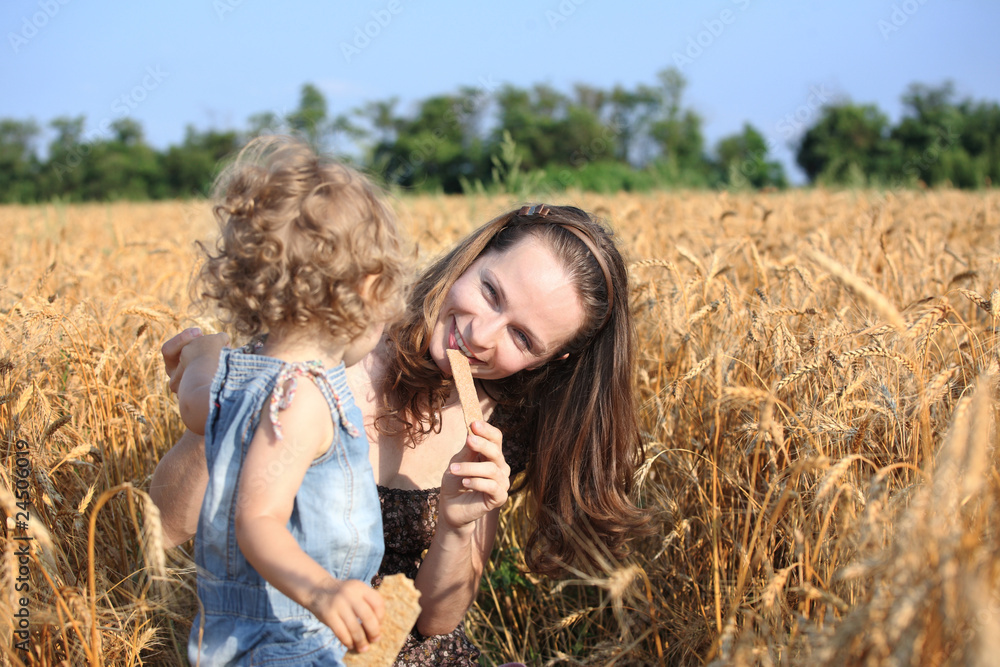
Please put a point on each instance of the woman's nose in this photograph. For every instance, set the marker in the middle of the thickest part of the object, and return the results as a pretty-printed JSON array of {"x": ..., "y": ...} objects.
[{"x": 484, "y": 331}]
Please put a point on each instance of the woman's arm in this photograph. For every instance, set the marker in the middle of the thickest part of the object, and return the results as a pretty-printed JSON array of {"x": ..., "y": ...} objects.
[
  {"x": 194, "y": 397},
  {"x": 180, "y": 478},
  {"x": 473, "y": 490},
  {"x": 178, "y": 488},
  {"x": 191, "y": 360},
  {"x": 192, "y": 349}
]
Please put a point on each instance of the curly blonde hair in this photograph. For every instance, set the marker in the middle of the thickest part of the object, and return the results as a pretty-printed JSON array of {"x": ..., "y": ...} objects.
[{"x": 298, "y": 236}]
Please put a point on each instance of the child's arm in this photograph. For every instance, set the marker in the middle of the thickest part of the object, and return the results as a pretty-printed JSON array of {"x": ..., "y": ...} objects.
[{"x": 271, "y": 476}]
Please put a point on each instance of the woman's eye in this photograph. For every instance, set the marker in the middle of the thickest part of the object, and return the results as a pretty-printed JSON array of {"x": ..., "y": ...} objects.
[
  {"x": 523, "y": 340},
  {"x": 491, "y": 293}
]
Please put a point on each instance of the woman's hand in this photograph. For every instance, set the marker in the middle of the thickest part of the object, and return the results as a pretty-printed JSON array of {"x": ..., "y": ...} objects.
[
  {"x": 477, "y": 479},
  {"x": 472, "y": 491},
  {"x": 191, "y": 347}
]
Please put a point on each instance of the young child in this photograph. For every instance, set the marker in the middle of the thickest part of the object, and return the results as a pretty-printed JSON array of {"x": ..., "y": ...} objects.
[{"x": 290, "y": 529}]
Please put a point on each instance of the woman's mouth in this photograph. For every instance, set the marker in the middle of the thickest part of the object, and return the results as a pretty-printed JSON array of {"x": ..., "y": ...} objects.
[{"x": 456, "y": 341}]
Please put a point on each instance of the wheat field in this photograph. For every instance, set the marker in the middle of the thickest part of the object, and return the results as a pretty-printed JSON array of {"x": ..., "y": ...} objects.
[{"x": 818, "y": 380}]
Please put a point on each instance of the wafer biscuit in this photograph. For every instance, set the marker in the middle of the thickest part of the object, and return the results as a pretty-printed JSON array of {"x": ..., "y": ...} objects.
[
  {"x": 401, "y": 611},
  {"x": 466, "y": 387}
]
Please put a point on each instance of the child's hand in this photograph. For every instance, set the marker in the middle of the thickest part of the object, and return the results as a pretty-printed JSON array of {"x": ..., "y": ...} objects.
[
  {"x": 353, "y": 610},
  {"x": 188, "y": 346}
]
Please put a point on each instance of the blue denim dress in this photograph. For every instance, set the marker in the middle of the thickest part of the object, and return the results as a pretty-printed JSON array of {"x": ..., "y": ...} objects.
[{"x": 336, "y": 519}]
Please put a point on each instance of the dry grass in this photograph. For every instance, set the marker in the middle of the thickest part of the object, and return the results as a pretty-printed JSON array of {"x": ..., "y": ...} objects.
[{"x": 818, "y": 377}]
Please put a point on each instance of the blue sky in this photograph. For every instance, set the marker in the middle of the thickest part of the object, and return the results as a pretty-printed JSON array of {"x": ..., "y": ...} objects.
[{"x": 213, "y": 63}]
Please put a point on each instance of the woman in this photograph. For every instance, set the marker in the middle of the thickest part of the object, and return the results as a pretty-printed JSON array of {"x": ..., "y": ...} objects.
[{"x": 537, "y": 299}]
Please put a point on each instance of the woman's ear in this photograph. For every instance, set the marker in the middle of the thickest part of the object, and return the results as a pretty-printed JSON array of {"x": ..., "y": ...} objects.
[{"x": 565, "y": 356}]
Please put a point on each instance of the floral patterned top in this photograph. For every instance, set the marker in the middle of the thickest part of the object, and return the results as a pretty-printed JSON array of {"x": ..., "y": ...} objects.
[{"x": 409, "y": 518}]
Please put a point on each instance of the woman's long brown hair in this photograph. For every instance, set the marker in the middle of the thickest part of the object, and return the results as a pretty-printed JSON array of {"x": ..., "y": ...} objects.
[{"x": 576, "y": 416}]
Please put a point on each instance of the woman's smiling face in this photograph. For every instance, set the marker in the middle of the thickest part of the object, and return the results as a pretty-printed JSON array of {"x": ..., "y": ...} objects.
[{"x": 510, "y": 310}]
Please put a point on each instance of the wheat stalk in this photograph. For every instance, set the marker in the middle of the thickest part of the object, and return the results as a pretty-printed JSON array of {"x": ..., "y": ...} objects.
[{"x": 872, "y": 297}]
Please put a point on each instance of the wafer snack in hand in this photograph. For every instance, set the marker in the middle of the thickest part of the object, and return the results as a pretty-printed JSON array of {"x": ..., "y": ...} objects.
[
  {"x": 401, "y": 611},
  {"x": 466, "y": 387}
]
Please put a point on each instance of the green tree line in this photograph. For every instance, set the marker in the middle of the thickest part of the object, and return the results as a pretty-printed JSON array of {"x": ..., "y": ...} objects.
[
  {"x": 502, "y": 136},
  {"x": 940, "y": 140}
]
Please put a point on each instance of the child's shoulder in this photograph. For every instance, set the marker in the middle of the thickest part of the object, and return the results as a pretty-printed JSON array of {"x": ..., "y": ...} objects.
[
  {"x": 309, "y": 380},
  {"x": 297, "y": 410}
]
